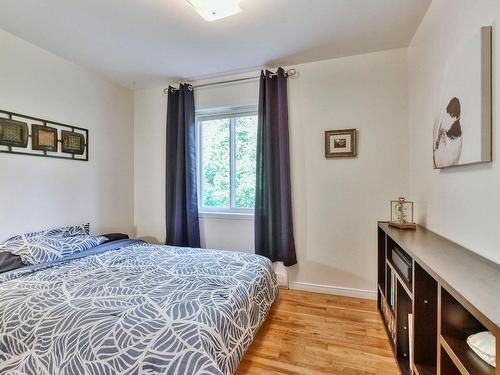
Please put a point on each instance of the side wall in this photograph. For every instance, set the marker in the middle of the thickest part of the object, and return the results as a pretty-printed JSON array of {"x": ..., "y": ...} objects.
[
  {"x": 40, "y": 193},
  {"x": 459, "y": 203},
  {"x": 336, "y": 202}
]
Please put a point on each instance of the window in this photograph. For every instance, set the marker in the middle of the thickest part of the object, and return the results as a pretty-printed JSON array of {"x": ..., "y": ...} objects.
[{"x": 227, "y": 148}]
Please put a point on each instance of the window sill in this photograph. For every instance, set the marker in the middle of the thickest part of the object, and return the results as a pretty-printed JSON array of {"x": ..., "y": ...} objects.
[{"x": 226, "y": 215}]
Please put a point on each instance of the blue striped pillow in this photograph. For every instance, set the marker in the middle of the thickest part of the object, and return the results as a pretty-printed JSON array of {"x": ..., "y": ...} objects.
[{"x": 49, "y": 245}]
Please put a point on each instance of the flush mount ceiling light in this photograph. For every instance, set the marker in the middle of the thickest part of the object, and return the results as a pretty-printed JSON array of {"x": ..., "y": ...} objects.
[{"x": 212, "y": 10}]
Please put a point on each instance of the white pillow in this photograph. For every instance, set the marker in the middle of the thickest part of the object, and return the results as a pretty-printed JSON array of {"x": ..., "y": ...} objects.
[{"x": 483, "y": 344}]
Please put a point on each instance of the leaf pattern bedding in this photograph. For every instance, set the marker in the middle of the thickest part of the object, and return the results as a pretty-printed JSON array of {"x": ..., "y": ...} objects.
[
  {"x": 142, "y": 309},
  {"x": 49, "y": 245},
  {"x": 42, "y": 249}
]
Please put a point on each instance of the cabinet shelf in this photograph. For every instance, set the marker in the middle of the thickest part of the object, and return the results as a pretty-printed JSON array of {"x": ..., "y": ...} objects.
[
  {"x": 421, "y": 369},
  {"x": 425, "y": 321},
  {"x": 404, "y": 366},
  {"x": 448, "y": 367},
  {"x": 406, "y": 286},
  {"x": 466, "y": 361},
  {"x": 450, "y": 293},
  {"x": 457, "y": 323}
]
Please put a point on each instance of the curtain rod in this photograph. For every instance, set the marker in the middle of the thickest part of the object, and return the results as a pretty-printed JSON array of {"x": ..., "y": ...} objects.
[{"x": 289, "y": 73}]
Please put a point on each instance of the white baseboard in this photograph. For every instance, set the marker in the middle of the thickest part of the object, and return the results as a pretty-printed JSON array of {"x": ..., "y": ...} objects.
[{"x": 330, "y": 289}]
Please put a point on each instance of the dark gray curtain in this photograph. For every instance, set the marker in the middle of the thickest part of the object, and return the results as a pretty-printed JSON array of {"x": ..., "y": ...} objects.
[
  {"x": 181, "y": 200},
  {"x": 273, "y": 199}
]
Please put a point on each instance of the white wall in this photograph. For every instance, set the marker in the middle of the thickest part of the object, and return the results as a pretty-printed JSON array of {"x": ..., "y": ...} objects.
[
  {"x": 40, "y": 193},
  {"x": 460, "y": 203},
  {"x": 149, "y": 164},
  {"x": 336, "y": 202}
]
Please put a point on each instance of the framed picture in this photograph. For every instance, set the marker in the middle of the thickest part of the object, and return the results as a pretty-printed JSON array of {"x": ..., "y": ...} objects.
[
  {"x": 13, "y": 133},
  {"x": 27, "y": 135},
  {"x": 44, "y": 138},
  {"x": 72, "y": 142},
  {"x": 340, "y": 143},
  {"x": 463, "y": 126}
]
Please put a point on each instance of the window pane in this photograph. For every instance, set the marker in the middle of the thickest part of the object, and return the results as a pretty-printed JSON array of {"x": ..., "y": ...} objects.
[
  {"x": 215, "y": 158},
  {"x": 246, "y": 151}
]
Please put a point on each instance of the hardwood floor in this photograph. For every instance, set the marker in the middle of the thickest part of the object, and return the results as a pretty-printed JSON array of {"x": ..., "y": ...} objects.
[{"x": 310, "y": 333}]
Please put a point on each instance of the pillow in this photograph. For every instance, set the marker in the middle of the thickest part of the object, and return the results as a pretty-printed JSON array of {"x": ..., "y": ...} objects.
[
  {"x": 116, "y": 236},
  {"x": 74, "y": 230},
  {"x": 36, "y": 249},
  {"x": 46, "y": 245},
  {"x": 9, "y": 262},
  {"x": 483, "y": 344}
]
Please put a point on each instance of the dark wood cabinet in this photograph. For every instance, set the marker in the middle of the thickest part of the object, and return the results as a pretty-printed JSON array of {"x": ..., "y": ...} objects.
[{"x": 432, "y": 296}]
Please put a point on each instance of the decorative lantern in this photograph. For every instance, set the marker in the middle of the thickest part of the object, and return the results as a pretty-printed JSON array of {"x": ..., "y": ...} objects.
[{"x": 402, "y": 214}]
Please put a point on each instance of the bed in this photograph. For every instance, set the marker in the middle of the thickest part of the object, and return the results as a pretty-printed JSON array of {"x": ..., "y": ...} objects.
[{"x": 129, "y": 307}]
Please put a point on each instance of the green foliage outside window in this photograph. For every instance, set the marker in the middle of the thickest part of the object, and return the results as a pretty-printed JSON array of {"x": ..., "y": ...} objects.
[
  {"x": 246, "y": 152},
  {"x": 216, "y": 162},
  {"x": 216, "y": 178}
]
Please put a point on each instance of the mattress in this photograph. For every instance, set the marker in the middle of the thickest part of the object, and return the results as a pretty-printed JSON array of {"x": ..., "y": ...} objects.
[{"x": 136, "y": 308}]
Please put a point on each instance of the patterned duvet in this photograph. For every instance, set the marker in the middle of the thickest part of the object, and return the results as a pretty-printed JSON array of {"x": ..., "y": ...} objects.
[{"x": 142, "y": 309}]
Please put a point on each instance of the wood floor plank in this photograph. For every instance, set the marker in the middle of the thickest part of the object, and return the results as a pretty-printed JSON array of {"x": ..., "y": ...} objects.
[{"x": 317, "y": 334}]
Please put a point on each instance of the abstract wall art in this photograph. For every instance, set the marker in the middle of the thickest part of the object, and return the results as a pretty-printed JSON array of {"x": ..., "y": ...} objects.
[{"x": 462, "y": 131}]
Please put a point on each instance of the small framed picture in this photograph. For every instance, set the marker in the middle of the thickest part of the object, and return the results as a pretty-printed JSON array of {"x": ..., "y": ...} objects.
[
  {"x": 13, "y": 133},
  {"x": 340, "y": 143},
  {"x": 44, "y": 138},
  {"x": 72, "y": 142}
]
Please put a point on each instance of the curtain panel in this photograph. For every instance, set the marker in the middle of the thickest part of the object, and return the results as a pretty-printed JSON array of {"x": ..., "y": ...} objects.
[
  {"x": 273, "y": 199},
  {"x": 181, "y": 197}
]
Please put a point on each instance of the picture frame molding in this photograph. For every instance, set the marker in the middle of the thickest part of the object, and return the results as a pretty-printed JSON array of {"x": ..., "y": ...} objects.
[
  {"x": 333, "y": 155},
  {"x": 35, "y": 129},
  {"x": 25, "y": 134},
  {"x": 64, "y": 149}
]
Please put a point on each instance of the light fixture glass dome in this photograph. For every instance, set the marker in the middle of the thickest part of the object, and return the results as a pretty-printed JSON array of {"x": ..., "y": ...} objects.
[{"x": 212, "y": 10}]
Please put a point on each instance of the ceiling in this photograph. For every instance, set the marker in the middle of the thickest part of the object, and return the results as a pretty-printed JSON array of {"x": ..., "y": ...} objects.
[{"x": 143, "y": 43}]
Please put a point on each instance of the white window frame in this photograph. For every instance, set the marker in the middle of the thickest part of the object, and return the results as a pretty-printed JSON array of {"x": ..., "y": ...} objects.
[{"x": 213, "y": 114}]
